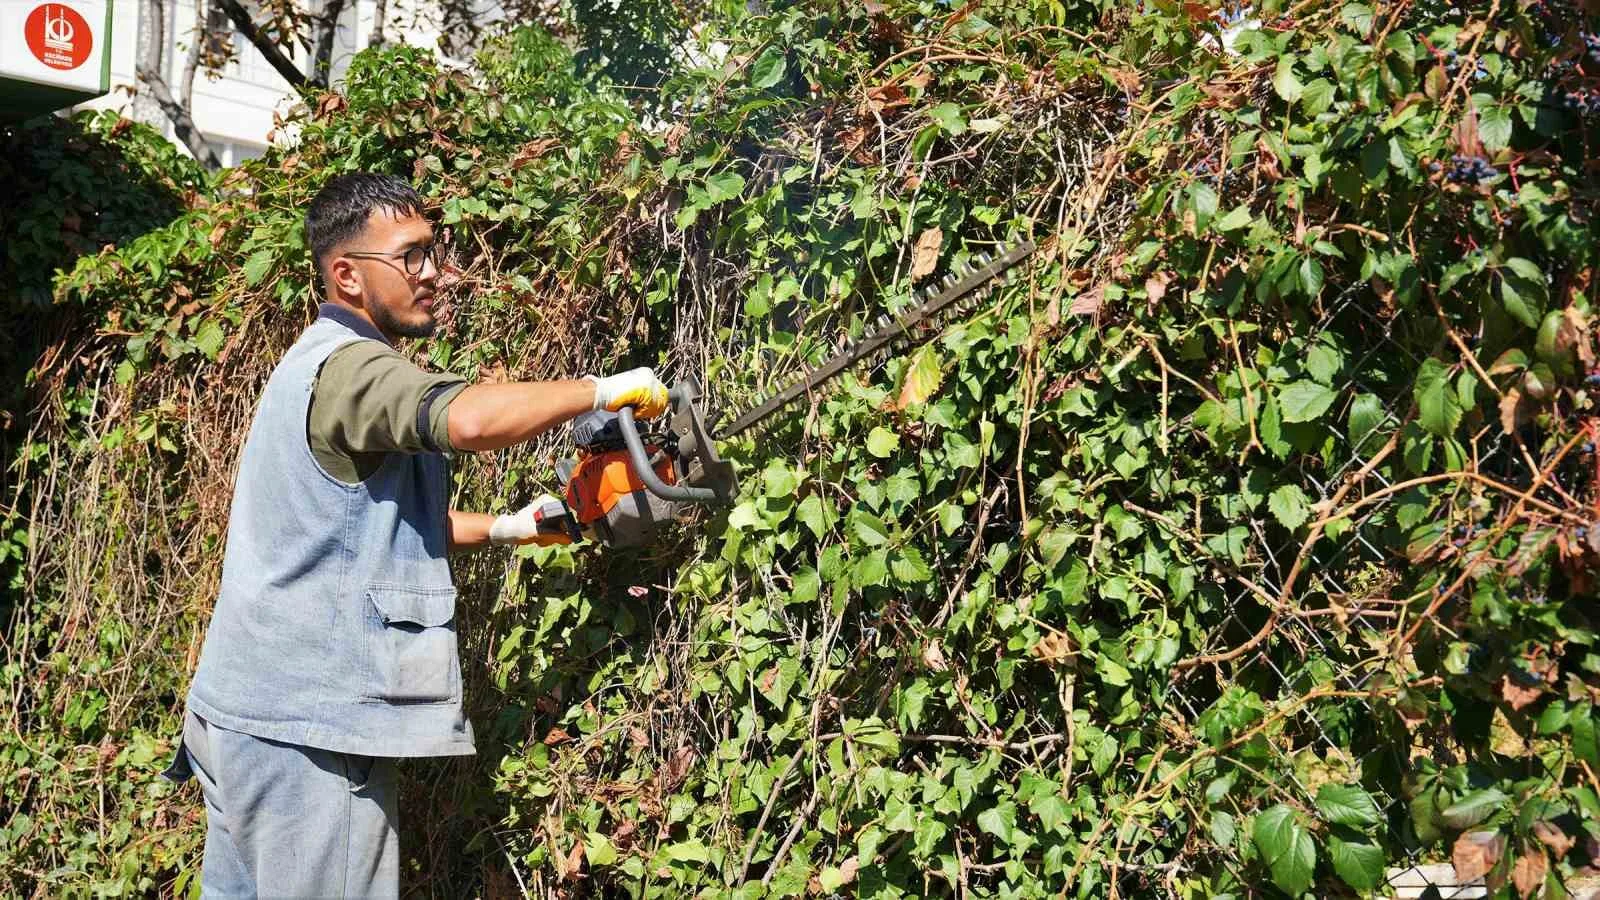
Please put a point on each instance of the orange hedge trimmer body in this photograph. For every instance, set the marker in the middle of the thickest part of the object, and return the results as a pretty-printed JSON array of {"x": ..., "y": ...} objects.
[{"x": 621, "y": 487}]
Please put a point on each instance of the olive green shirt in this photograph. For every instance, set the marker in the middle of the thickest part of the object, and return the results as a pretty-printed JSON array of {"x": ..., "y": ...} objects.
[{"x": 370, "y": 400}]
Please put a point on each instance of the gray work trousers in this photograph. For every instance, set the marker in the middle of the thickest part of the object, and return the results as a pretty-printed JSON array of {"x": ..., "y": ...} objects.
[{"x": 290, "y": 821}]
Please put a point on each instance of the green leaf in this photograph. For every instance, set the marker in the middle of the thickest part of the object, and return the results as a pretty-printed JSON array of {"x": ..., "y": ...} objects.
[
  {"x": 208, "y": 338},
  {"x": 779, "y": 479},
  {"x": 908, "y": 566},
  {"x": 1289, "y": 506},
  {"x": 1359, "y": 863},
  {"x": 1052, "y": 810},
  {"x": 1523, "y": 290},
  {"x": 598, "y": 850},
  {"x": 1000, "y": 821},
  {"x": 724, "y": 186},
  {"x": 257, "y": 266},
  {"x": 1472, "y": 809},
  {"x": 1284, "y": 81},
  {"x": 1305, "y": 401},
  {"x": 1438, "y": 409},
  {"x": 1347, "y": 804},
  {"x": 1233, "y": 221},
  {"x": 1366, "y": 414},
  {"x": 882, "y": 443},
  {"x": 814, "y": 516},
  {"x": 1494, "y": 128},
  {"x": 1311, "y": 276},
  {"x": 949, "y": 118},
  {"x": 1286, "y": 847},
  {"x": 868, "y": 527},
  {"x": 1223, "y": 828},
  {"x": 768, "y": 68}
]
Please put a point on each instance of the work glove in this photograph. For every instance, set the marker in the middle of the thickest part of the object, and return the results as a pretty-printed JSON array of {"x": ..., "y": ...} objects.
[
  {"x": 522, "y": 526},
  {"x": 638, "y": 388}
]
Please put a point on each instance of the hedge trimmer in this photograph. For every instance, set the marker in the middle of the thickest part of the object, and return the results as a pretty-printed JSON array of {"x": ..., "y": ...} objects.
[{"x": 623, "y": 484}]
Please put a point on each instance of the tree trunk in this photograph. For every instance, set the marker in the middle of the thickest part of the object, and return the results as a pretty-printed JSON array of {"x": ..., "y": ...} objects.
[
  {"x": 326, "y": 30},
  {"x": 150, "y": 48},
  {"x": 379, "y": 14},
  {"x": 269, "y": 50},
  {"x": 202, "y": 11},
  {"x": 182, "y": 122}
]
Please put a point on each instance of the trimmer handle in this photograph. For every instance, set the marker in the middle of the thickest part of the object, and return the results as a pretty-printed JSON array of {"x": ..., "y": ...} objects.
[{"x": 641, "y": 461}]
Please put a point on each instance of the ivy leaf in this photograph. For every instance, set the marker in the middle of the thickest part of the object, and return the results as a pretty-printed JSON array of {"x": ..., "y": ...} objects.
[
  {"x": 1359, "y": 863},
  {"x": 257, "y": 266},
  {"x": 724, "y": 186},
  {"x": 1305, "y": 401},
  {"x": 768, "y": 68},
  {"x": 1347, "y": 804},
  {"x": 1289, "y": 506},
  {"x": 1438, "y": 409},
  {"x": 598, "y": 850},
  {"x": 1472, "y": 809},
  {"x": 881, "y": 442},
  {"x": 949, "y": 117},
  {"x": 1285, "y": 82},
  {"x": 1286, "y": 847},
  {"x": 1000, "y": 821},
  {"x": 812, "y": 514},
  {"x": 922, "y": 377}
]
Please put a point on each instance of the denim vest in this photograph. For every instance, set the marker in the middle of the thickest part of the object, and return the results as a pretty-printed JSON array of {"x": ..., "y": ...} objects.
[{"x": 335, "y": 624}]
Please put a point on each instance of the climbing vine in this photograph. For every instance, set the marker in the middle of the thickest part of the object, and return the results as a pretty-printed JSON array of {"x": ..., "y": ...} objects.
[{"x": 1242, "y": 542}]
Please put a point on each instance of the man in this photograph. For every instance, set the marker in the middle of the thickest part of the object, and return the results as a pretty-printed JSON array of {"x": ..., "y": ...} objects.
[{"x": 332, "y": 648}]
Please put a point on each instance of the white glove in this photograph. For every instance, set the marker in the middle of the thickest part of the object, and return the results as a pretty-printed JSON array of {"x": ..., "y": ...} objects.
[
  {"x": 638, "y": 388},
  {"x": 520, "y": 527}
]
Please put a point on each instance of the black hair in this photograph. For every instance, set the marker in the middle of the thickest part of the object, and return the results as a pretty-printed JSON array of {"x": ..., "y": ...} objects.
[{"x": 340, "y": 210}]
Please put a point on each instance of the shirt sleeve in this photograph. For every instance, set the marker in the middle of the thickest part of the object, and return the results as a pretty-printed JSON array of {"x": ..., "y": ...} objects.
[{"x": 370, "y": 399}]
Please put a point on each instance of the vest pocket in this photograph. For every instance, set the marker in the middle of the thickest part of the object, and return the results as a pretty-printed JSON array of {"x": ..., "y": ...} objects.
[{"x": 411, "y": 645}]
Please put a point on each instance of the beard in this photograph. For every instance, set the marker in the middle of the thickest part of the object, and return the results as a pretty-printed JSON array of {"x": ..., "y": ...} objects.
[{"x": 389, "y": 324}]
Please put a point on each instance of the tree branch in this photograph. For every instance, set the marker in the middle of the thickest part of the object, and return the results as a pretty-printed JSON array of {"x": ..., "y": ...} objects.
[
  {"x": 269, "y": 50},
  {"x": 182, "y": 122}
]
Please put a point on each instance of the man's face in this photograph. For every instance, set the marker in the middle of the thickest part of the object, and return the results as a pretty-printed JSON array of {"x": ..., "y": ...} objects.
[{"x": 400, "y": 301}]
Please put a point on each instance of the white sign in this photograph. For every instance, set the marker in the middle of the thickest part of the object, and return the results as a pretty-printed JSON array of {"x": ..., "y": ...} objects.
[{"x": 60, "y": 43}]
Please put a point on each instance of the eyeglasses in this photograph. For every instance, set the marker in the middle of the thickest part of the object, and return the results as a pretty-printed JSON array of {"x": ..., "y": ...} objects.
[{"x": 413, "y": 257}]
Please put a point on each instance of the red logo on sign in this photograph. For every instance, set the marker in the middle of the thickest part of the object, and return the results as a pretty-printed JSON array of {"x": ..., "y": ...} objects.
[{"x": 58, "y": 36}]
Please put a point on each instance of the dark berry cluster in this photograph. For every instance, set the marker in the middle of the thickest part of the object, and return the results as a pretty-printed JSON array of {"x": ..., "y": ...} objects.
[
  {"x": 1580, "y": 100},
  {"x": 1469, "y": 169},
  {"x": 1591, "y": 48}
]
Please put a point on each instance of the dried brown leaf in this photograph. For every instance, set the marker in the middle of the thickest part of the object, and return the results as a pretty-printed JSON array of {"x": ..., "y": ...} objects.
[
  {"x": 1527, "y": 873},
  {"x": 1553, "y": 837},
  {"x": 1508, "y": 410},
  {"x": 556, "y": 737},
  {"x": 1516, "y": 694},
  {"x": 849, "y": 869},
  {"x": 1466, "y": 135},
  {"x": 1155, "y": 287},
  {"x": 925, "y": 255},
  {"x": 1475, "y": 853},
  {"x": 1088, "y": 303},
  {"x": 933, "y": 656}
]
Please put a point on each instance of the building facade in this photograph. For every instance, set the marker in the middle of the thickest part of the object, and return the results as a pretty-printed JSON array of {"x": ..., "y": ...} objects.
[{"x": 234, "y": 108}]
